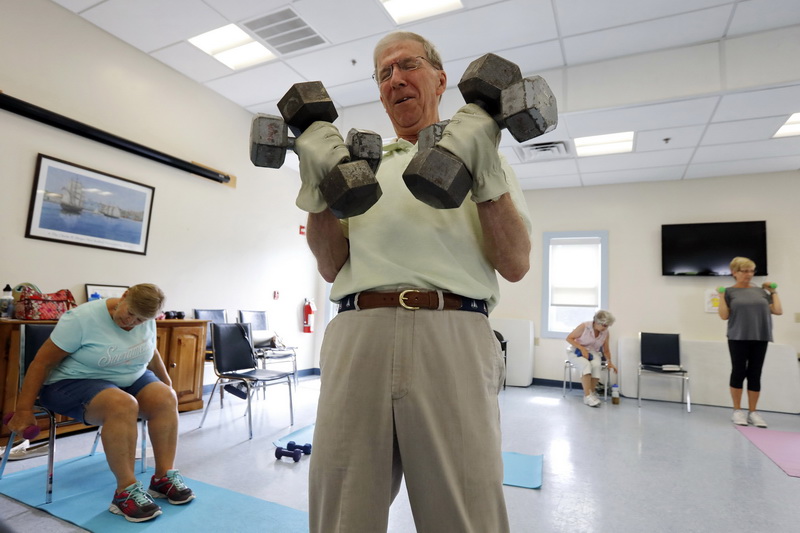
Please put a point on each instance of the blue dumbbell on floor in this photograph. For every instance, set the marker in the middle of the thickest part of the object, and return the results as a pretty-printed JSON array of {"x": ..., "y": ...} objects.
[
  {"x": 294, "y": 454},
  {"x": 305, "y": 448}
]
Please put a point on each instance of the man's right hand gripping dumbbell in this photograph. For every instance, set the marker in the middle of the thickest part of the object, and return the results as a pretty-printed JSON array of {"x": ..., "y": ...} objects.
[{"x": 334, "y": 175}]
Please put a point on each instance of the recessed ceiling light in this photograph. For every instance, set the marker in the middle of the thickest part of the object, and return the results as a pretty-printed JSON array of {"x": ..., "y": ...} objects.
[
  {"x": 613, "y": 143},
  {"x": 403, "y": 11},
  {"x": 791, "y": 127},
  {"x": 232, "y": 46}
]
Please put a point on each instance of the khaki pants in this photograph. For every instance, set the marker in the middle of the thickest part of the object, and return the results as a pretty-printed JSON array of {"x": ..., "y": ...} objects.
[{"x": 409, "y": 393}]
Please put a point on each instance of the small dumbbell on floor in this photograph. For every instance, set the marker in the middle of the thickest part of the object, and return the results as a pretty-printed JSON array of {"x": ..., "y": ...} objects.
[
  {"x": 294, "y": 454},
  {"x": 524, "y": 106},
  {"x": 350, "y": 188},
  {"x": 305, "y": 448}
]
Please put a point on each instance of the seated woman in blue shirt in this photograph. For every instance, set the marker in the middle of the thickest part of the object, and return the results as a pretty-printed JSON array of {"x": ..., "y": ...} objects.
[{"x": 101, "y": 366}]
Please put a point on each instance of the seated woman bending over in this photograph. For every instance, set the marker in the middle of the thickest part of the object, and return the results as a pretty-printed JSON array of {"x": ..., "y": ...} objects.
[
  {"x": 590, "y": 340},
  {"x": 101, "y": 366}
]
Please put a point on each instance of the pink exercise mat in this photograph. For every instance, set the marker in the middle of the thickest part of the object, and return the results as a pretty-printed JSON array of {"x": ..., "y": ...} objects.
[{"x": 782, "y": 447}]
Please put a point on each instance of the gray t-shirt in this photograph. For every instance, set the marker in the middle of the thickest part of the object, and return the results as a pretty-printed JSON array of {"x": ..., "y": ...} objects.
[{"x": 750, "y": 318}]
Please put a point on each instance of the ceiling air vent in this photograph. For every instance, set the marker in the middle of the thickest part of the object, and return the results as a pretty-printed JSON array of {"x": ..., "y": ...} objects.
[
  {"x": 284, "y": 31},
  {"x": 530, "y": 153}
]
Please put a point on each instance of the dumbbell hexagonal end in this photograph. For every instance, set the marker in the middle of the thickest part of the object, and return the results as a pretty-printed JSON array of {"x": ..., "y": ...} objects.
[
  {"x": 365, "y": 145},
  {"x": 269, "y": 139},
  {"x": 306, "y": 103},
  {"x": 529, "y": 108},
  {"x": 350, "y": 189},
  {"x": 485, "y": 79},
  {"x": 438, "y": 178}
]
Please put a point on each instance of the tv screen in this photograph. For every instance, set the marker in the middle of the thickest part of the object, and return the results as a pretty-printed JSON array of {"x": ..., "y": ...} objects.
[{"x": 707, "y": 249}]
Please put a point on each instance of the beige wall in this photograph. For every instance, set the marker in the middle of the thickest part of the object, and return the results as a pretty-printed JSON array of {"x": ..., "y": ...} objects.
[
  {"x": 210, "y": 245},
  {"x": 640, "y": 297}
]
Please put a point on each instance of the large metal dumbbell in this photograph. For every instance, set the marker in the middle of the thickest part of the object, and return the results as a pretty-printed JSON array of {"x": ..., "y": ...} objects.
[
  {"x": 350, "y": 188},
  {"x": 525, "y": 106}
]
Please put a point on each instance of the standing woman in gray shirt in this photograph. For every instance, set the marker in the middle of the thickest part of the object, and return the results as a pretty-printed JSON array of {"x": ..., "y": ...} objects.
[{"x": 748, "y": 310}]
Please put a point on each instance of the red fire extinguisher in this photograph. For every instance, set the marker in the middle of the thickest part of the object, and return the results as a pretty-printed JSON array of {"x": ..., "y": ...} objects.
[{"x": 308, "y": 316}]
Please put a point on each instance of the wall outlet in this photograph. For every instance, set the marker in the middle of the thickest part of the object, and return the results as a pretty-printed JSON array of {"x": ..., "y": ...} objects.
[
  {"x": 536, "y": 341},
  {"x": 797, "y": 317}
]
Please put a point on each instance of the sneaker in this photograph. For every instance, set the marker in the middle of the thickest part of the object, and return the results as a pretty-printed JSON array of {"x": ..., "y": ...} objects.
[
  {"x": 135, "y": 504},
  {"x": 739, "y": 418},
  {"x": 754, "y": 419},
  {"x": 591, "y": 400},
  {"x": 172, "y": 488}
]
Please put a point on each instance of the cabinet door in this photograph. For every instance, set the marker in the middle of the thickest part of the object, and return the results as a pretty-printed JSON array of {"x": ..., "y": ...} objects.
[{"x": 185, "y": 365}]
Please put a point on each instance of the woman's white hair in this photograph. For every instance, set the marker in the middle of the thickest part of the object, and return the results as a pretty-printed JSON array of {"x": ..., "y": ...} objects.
[{"x": 604, "y": 318}]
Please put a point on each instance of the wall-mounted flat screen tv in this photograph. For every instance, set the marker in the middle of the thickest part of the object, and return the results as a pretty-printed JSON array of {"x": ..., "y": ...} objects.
[{"x": 706, "y": 249}]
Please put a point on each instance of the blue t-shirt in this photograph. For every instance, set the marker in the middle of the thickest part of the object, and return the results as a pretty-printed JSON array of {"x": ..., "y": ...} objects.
[{"x": 99, "y": 348}]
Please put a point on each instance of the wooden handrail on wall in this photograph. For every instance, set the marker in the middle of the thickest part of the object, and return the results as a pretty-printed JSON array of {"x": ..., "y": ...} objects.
[{"x": 25, "y": 109}]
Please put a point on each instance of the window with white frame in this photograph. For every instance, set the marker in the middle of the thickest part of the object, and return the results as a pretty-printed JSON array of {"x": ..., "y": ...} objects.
[{"x": 574, "y": 279}]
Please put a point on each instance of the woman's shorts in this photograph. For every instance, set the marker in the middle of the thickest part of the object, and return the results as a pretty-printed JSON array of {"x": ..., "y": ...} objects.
[
  {"x": 70, "y": 397},
  {"x": 592, "y": 367}
]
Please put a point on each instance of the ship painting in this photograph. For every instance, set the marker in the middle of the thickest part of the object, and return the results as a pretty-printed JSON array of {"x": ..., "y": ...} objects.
[{"x": 72, "y": 198}]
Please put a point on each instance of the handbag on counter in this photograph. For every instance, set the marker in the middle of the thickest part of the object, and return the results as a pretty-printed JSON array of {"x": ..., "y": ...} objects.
[{"x": 33, "y": 304}]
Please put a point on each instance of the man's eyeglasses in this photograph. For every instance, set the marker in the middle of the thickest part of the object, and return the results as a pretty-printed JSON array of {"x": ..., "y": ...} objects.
[{"x": 406, "y": 65}]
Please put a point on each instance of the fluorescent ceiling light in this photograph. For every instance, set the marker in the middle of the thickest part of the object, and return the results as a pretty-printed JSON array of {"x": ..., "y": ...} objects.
[
  {"x": 232, "y": 46},
  {"x": 403, "y": 11},
  {"x": 791, "y": 127},
  {"x": 613, "y": 143}
]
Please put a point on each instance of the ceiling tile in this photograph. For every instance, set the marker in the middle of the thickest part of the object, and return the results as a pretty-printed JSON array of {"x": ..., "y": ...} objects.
[
  {"x": 751, "y": 166},
  {"x": 337, "y": 65},
  {"x": 152, "y": 24},
  {"x": 613, "y": 162},
  {"x": 256, "y": 85},
  {"x": 668, "y": 138},
  {"x": 76, "y": 6},
  {"x": 781, "y": 101},
  {"x": 742, "y": 131},
  {"x": 339, "y": 24},
  {"x": 583, "y": 16},
  {"x": 759, "y": 15},
  {"x": 191, "y": 61},
  {"x": 500, "y": 26},
  {"x": 786, "y": 146},
  {"x": 695, "y": 27},
  {"x": 648, "y": 117},
  {"x": 632, "y": 176},
  {"x": 239, "y": 10}
]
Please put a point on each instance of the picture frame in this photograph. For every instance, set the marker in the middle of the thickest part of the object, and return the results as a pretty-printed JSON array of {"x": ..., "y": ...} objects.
[
  {"x": 77, "y": 205},
  {"x": 101, "y": 292}
]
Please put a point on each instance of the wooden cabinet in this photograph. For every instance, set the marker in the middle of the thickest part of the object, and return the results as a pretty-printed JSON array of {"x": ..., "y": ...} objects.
[{"x": 181, "y": 343}]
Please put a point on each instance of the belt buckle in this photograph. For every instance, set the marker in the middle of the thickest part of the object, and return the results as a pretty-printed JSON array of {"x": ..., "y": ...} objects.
[{"x": 402, "y": 299}]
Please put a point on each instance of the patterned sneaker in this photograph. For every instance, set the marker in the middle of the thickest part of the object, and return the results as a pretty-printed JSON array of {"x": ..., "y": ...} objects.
[
  {"x": 739, "y": 418},
  {"x": 172, "y": 488},
  {"x": 134, "y": 504},
  {"x": 754, "y": 419}
]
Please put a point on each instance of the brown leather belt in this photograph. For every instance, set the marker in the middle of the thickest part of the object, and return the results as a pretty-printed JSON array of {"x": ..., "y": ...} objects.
[{"x": 412, "y": 299}]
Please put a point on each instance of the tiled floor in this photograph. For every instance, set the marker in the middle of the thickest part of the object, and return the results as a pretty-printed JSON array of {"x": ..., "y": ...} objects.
[{"x": 614, "y": 468}]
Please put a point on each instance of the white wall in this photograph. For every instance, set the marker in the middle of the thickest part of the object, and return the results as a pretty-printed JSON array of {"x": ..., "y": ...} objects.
[
  {"x": 210, "y": 245},
  {"x": 640, "y": 297}
]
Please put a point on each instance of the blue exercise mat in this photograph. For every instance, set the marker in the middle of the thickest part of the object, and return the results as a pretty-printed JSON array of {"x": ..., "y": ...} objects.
[
  {"x": 520, "y": 470},
  {"x": 301, "y": 436},
  {"x": 84, "y": 486}
]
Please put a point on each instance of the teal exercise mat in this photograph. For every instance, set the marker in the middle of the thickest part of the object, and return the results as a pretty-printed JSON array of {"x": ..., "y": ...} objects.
[
  {"x": 520, "y": 470},
  {"x": 300, "y": 437},
  {"x": 84, "y": 487}
]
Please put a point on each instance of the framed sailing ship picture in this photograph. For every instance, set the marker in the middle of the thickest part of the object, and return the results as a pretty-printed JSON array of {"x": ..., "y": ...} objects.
[{"x": 77, "y": 205}]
